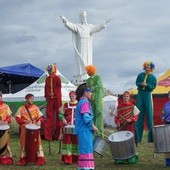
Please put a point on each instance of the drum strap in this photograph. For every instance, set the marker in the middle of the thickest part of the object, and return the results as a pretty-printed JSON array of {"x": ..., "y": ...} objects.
[{"x": 29, "y": 113}]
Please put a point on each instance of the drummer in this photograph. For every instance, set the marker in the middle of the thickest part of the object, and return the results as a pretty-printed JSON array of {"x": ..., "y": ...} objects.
[
  {"x": 24, "y": 117},
  {"x": 5, "y": 119},
  {"x": 69, "y": 141},
  {"x": 126, "y": 114},
  {"x": 166, "y": 120}
]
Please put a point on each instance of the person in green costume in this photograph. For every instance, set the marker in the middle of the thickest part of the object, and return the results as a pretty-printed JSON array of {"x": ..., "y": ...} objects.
[
  {"x": 146, "y": 83},
  {"x": 96, "y": 84}
]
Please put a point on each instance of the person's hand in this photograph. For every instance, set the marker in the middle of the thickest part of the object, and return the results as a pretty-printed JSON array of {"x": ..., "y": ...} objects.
[
  {"x": 27, "y": 121},
  {"x": 143, "y": 84},
  {"x": 3, "y": 123},
  {"x": 65, "y": 121},
  {"x": 128, "y": 120},
  {"x": 107, "y": 20},
  {"x": 63, "y": 18},
  {"x": 38, "y": 123},
  {"x": 95, "y": 128}
]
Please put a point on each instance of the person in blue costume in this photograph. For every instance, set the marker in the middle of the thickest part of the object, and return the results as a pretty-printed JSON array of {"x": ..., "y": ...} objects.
[
  {"x": 146, "y": 82},
  {"x": 84, "y": 128},
  {"x": 166, "y": 120}
]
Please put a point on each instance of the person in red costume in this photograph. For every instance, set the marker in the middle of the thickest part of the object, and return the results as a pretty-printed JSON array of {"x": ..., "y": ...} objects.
[
  {"x": 5, "y": 119},
  {"x": 27, "y": 114},
  {"x": 53, "y": 98},
  {"x": 126, "y": 114},
  {"x": 69, "y": 141}
]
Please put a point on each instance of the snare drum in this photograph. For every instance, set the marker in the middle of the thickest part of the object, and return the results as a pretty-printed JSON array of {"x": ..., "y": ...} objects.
[
  {"x": 32, "y": 139},
  {"x": 161, "y": 138},
  {"x": 69, "y": 129},
  {"x": 4, "y": 137},
  {"x": 100, "y": 145},
  {"x": 122, "y": 145}
]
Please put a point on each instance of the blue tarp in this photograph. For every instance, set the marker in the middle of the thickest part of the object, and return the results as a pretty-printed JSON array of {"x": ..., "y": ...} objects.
[{"x": 22, "y": 70}]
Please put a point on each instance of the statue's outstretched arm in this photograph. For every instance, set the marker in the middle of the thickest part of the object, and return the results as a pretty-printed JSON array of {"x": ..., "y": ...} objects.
[
  {"x": 107, "y": 20},
  {"x": 63, "y": 19}
]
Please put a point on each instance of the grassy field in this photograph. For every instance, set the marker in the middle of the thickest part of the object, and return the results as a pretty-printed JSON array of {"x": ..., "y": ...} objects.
[{"x": 53, "y": 161}]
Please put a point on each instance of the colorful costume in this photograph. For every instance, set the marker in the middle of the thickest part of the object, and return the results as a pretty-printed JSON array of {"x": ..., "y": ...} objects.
[
  {"x": 69, "y": 141},
  {"x": 22, "y": 116},
  {"x": 123, "y": 112},
  {"x": 83, "y": 128},
  {"x": 53, "y": 97},
  {"x": 166, "y": 120},
  {"x": 95, "y": 82},
  {"x": 144, "y": 102},
  {"x": 5, "y": 151}
]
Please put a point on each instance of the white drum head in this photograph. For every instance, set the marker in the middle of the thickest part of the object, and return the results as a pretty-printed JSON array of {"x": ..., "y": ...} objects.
[
  {"x": 70, "y": 126},
  {"x": 120, "y": 136},
  {"x": 4, "y": 127},
  {"x": 32, "y": 127}
]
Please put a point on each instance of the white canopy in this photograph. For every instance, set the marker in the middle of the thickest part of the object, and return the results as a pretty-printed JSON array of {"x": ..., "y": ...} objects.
[{"x": 37, "y": 89}]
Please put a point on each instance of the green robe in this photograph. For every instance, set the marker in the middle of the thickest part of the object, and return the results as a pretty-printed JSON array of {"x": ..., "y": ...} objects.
[
  {"x": 95, "y": 82},
  {"x": 145, "y": 104}
]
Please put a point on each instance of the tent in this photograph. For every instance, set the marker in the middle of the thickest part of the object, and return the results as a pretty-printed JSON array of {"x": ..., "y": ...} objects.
[
  {"x": 16, "y": 77},
  {"x": 159, "y": 96},
  {"x": 37, "y": 89},
  {"x": 110, "y": 102}
]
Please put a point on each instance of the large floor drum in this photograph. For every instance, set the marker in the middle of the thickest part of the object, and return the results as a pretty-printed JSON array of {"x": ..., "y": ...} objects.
[
  {"x": 4, "y": 137},
  {"x": 161, "y": 138},
  {"x": 32, "y": 139},
  {"x": 69, "y": 129},
  {"x": 122, "y": 145}
]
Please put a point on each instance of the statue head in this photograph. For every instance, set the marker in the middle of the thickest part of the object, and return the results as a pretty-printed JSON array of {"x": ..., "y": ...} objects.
[{"x": 83, "y": 17}]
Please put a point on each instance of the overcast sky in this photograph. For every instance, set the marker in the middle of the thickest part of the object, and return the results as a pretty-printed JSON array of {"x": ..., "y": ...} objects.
[{"x": 31, "y": 31}]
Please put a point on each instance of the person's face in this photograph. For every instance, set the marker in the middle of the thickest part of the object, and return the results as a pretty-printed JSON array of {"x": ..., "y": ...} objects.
[
  {"x": 72, "y": 97},
  {"x": 148, "y": 69},
  {"x": 88, "y": 94},
  {"x": 30, "y": 100},
  {"x": 126, "y": 98}
]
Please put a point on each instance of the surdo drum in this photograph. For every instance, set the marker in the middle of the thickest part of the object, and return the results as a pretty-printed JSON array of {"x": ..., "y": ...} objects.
[
  {"x": 161, "y": 138},
  {"x": 32, "y": 139},
  {"x": 4, "y": 137},
  {"x": 122, "y": 145},
  {"x": 69, "y": 129}
]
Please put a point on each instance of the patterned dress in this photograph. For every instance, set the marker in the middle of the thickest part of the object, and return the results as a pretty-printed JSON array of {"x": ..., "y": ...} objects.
[{"x": 69, "y": 141}]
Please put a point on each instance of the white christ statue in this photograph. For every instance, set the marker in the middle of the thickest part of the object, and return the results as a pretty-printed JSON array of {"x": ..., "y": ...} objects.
[{"x": 82, "y": 42}]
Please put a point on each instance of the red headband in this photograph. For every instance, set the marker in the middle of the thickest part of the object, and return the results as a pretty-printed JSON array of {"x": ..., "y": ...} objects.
[{"x": 29, "y": 96}]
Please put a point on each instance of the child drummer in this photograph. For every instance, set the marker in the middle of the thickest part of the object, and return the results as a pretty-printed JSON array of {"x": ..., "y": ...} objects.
[
  {"x": 126, "y": 114},
  {"x": 166, "y": 120},
  {"x": 5, "y": 119},
  {"x": 27, "y": 114},
  {"x": 69, "y": 141}
]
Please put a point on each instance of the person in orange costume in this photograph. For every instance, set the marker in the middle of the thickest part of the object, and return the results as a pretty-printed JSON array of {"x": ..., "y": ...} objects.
[
  {"x": 53, "y": 98},
  {"x": 5, "y": 118},
  {"x": 23, "y": 117}
]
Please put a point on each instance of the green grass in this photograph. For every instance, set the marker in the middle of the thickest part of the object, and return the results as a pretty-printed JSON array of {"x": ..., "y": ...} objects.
[{"x": 53, "y": 161}]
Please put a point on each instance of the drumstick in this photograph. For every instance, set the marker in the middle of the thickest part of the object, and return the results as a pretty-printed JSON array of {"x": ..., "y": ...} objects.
[{"x": 102, "y": 134}]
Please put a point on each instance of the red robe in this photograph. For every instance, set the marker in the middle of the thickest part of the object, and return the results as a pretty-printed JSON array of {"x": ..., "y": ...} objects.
[
  {"x": 53, "y": 97},
  {"x": 126, "y": 111}
]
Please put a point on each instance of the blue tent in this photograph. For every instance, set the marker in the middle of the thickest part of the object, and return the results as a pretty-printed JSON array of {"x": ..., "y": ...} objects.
[
  {"x": 14, "y": 78},
  {"x": 22, "y": 70}
]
